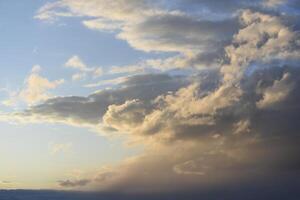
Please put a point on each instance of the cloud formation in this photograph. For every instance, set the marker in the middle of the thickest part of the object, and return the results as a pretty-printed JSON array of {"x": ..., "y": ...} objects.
[
  {"x": 76, "y": 63},
  {"x": 148, "y": 27},
  {"x": 234, "y": 121},
  {"x": 35, "y": 89},
  {"x": 90, "y": 110},
  {"x": 59, "y": 148},
  {"x": 72, "y": 184}
]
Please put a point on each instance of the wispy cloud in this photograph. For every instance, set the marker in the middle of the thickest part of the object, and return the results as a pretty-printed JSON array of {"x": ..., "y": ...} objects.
[
  {"x": 56, "y": 148},
  {"x": 84, "y": 71}
]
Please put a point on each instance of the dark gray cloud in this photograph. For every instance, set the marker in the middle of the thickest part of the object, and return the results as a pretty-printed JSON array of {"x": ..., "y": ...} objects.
[
  {"x": 199, "y": 42},
  {"x": 74, "y": 183},
  {"x": 177, "y": 31}
]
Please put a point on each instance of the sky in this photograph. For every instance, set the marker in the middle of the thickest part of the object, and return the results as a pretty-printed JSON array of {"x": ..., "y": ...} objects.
[{"x": 150, "y": 96}]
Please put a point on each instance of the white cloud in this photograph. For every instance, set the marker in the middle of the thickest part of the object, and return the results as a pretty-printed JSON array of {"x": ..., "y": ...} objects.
[
  {"x": 76, "y": 63},
  {"x": 264, "y": 38},
  {"x": 84, "y": 71},
  {"x": 78, "y": 76},
  {"x": 107, "y": 82},
  {"x": 131, "y": 69},
  {"x": 101, "y": 24},
  {"x": 98, "y": 72},
  {"x": 120, "y": 10},
  {"x": 35, "y": 89},
  {"x": 56, "y": 148}
]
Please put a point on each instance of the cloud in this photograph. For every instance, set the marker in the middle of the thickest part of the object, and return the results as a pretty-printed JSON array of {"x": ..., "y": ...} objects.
[
  {"x": 106, "y": 82},
  {"x": 229, "y": 8},
  {"x": 170, "y": 32},
  {"x": 147, "y": 26},
  {"x": 198, "y": 38},
  {"x": 120, "y": 10},
  {"x": 124, "y": 117},
  {"x": 230, "y": 124},
  {"x": 5, "y": 183},
  {"x": 101, "y": 24},
  {"x": 59, "y": 148},
  {"x": 250, "y": 93},
  {"x": 35, "y": 89},
  {"x": 132, "y": 69},
  {"x": 76, "y": 63},
  {"x": 190, "y": 37},
  {"x": 274, "y": 3},
  {"x": 264, "y": 38},
  {"x": 78, "y": 76},
  {"x": 275, "y": 93},
  {"x": 75, "y": 183},
  {"x": 181, "y": 144},
  {"x": 219, "y": 7},
  {"x": 90, "y": 110}
]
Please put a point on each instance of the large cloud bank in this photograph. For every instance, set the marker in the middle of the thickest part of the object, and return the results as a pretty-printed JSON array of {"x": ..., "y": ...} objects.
[{"x": 235, "y": 121}]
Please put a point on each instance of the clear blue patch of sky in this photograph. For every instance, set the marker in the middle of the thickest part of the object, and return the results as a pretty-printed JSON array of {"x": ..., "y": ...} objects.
[{"x": 26, "y": 41}]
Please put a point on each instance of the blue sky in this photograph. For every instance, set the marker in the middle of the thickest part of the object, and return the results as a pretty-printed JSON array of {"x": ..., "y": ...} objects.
[{"x": 50, "y": 45}]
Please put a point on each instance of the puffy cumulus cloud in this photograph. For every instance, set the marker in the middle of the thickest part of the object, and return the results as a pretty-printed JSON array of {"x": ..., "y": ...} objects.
[
  {"x": 125, "y": 116},
  {"x": 35, "y": 89},
  {"x": 239, "y": 143},
  {"x": 171, "y": 109},
  {"x": 206, "y": 108},
  {"x": 264, "y": 38}
]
